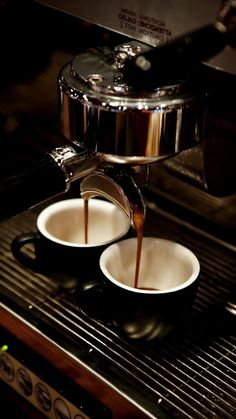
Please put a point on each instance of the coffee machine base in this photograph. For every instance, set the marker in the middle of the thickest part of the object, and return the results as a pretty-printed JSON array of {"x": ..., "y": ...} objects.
[{"x": 68, "y": 365}]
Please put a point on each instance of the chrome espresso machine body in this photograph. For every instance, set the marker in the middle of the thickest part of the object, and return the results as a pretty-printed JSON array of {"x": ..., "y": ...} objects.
[{"x": 128, "y": 110}]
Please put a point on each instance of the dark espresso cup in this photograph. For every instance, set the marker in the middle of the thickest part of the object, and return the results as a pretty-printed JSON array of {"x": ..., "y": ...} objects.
[
  {"x": 166, "y": 288},
  {"x": 58, "y": 244}
]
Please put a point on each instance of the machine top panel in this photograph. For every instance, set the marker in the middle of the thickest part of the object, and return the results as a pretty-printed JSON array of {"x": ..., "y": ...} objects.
[{"x": 152, "y": 21}]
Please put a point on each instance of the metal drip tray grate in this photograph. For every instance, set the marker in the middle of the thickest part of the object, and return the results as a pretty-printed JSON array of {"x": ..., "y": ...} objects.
[{"x": 191, "y": 374}]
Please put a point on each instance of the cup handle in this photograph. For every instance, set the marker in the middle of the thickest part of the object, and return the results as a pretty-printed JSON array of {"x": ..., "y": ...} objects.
[
  {"x": 17, "y": 246},
  {"x": 91, "y": 298}
]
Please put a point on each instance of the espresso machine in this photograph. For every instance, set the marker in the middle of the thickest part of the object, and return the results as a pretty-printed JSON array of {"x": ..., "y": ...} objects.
[{"x": 149, "y": 113}]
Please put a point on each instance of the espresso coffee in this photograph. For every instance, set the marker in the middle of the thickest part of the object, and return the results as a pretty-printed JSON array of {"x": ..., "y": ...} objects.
[
  {"x": 138, "y": 225},
  {"x": 86, "y": 215}
]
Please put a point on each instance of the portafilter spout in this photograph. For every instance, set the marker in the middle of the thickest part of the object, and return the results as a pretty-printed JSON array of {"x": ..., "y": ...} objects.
[{"x": 119, "y": 187}]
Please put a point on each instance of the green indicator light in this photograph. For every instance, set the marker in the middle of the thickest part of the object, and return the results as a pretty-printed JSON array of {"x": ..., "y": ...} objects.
[{"x": 4, "y": 348}]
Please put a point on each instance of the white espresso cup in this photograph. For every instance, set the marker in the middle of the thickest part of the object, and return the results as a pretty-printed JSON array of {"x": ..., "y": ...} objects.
[
  {"x": 166, "y": 288},
  {"x": 59, "y": 246}
]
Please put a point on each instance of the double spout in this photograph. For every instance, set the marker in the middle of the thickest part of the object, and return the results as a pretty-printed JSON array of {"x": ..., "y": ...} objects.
[
  {"x": 119, "y": 184},
  {"x": 119, "y": 187}
]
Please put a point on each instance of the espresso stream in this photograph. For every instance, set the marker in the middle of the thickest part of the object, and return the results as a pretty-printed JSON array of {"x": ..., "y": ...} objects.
[
  {"x": 138, "y": 224},
  {"x": 86, "y": 221}
]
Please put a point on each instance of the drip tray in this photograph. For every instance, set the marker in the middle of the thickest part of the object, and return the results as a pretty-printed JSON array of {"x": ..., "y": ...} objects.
[{"x": 191, "y": 374}]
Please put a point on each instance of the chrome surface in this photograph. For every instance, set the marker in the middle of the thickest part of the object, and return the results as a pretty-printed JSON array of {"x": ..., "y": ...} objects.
[
  {"x": 100, "y": 112},
  {"x": 75, "y": 164},
  {"x": 60, "y": 155}
]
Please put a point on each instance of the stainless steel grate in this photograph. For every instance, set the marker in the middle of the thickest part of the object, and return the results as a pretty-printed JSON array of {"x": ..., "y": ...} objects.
[{"x": 192, "y": 374}]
